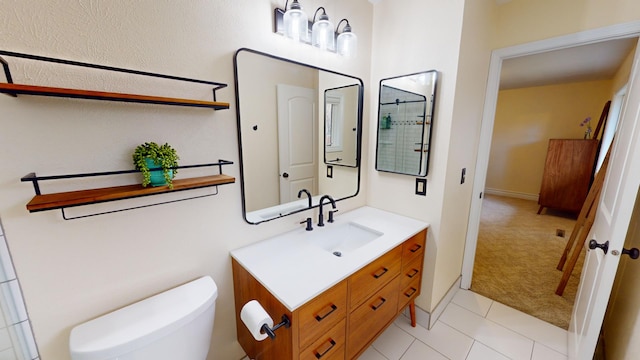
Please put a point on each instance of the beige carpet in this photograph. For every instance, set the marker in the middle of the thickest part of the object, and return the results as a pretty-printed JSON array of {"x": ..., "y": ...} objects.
[{"x": 517, "y": 255}]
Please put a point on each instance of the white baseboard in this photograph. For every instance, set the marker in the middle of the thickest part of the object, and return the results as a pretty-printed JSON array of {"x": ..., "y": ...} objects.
[
  {"x": 439, "y": 309},
  {"x": 512, "y": 194}
]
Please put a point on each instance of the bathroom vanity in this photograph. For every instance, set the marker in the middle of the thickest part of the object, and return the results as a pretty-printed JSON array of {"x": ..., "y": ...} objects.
[{"x": 340, "y": 285}]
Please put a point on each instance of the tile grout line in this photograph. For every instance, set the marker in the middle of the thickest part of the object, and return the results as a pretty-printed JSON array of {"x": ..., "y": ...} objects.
[
  {"x": 499, "y": 325},
  {"x": 431, "y": 347}
]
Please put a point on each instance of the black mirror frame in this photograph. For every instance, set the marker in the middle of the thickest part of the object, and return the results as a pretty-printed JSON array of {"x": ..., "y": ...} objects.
[
  {"x": 358, "y": 130},
  {"x": 239, "y": 131},
  {"x": 433, "y": 110}
]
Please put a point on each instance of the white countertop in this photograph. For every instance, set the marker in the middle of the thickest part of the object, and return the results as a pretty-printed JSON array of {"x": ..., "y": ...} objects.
[{"x": 295, "y": 271}]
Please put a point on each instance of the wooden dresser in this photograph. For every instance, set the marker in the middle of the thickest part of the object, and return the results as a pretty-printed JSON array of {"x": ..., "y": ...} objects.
[{"x": 567, "y": 174}]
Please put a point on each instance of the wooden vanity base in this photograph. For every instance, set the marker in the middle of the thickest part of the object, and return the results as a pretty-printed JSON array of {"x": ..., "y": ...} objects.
[
  {"x": 341, "y": 322},
  {"x": 412, "y": 312}
]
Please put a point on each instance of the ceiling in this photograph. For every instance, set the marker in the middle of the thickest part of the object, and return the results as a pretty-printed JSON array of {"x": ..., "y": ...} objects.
[{"x": 598, "y": 61}]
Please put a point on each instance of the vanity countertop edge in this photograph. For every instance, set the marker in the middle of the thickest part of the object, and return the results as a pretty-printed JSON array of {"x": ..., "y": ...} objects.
[{"x": 295, "y": 271}]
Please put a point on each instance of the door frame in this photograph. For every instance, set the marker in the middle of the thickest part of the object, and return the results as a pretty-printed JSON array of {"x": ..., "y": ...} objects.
[{"x": 618, "y": 31}]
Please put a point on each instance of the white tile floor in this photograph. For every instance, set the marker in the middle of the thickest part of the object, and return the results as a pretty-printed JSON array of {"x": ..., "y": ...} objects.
[{"x": 472, "y": 327}]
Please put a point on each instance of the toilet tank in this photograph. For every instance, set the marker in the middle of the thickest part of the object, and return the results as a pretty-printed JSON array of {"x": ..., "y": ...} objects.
[{"x": 175, "y": 324}]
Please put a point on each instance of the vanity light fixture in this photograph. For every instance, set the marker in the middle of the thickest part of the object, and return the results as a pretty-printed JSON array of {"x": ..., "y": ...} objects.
[
  {"x": 296, "y": 22},
  {"x": 347, "y": 40},
  {"x": 322, "y": 34},
  {"x": 293, "y": 23}
]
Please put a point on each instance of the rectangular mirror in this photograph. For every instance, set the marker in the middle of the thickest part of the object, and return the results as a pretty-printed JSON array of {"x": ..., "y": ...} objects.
[
  {"x": 405, "y": 118},
  {"x": 280, "y": 106},
  {"x": 341, "y": 126}
]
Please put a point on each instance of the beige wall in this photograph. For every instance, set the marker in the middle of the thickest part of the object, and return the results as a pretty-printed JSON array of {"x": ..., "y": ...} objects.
[
  {"x": 522, "y": 21},
  {"x": 403, "y": 45},
  {"x": 72, "y": 271},
  {"x": 260, "y": 148},
  {"x": 526, "y": 119}
]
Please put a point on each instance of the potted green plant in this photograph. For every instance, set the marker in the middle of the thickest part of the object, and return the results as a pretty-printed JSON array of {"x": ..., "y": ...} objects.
[{"x": 151, "y": 155}]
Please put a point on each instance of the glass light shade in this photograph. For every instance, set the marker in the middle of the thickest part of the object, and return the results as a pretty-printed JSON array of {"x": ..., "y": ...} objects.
[
  {"x": 322, "y": 34},
  {"x": 347, "y": 44},
  {"x": 296, "y": 23}
]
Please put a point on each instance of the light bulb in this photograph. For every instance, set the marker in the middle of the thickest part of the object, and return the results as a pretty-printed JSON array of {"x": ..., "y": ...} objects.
[
  {"x": 322, "y": 34},
  {"x": 296, "y": 23},
  {"x": 347, "y": 41},
  {"x": 347, "y": 44}
]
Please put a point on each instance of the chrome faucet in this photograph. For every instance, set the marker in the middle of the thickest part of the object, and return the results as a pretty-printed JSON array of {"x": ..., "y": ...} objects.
[
  {"x": 308, "y": 195},
  {"x": 320, "y": 215}
]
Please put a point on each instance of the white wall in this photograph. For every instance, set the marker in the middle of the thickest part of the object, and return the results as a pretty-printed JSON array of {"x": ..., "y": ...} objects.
[{"x": 72, "y": 271}]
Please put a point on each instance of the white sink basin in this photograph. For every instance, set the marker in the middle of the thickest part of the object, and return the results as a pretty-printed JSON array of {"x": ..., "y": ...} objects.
[{"x": 341, "y": 239}]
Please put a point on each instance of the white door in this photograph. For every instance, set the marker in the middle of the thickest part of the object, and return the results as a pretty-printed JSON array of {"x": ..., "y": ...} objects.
[
  {"x": 612, "y": 220},
  {"x": 297, "y": 141}
]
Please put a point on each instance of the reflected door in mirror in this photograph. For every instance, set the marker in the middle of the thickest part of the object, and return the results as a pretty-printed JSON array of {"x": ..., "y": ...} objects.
[{"x": 282, "y": 142}]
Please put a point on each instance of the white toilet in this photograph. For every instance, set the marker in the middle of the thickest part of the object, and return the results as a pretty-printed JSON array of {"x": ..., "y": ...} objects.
[{"x": 175, "y": 324}]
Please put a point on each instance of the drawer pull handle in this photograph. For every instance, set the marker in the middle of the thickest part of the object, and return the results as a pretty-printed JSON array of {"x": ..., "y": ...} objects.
[
  {"x": 376, "y": 307},
  {"x": 414, "y": 273},
  {"x": 331, "y": 344},
  {"x": 415, "y": 248},
  {"x": 411, "y": 291},
  {"x": 333, "y": 308},
  {"x": 380, "y": 272}
]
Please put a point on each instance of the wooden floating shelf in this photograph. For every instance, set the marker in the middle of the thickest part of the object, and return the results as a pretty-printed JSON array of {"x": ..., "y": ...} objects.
[
  {"x": 12, "y": 89},
  {"x": 92, "y": 196}
]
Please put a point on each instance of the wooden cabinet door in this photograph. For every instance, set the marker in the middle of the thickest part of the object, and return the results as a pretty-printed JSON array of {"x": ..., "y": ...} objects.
[{"x": 369, "y": 319}]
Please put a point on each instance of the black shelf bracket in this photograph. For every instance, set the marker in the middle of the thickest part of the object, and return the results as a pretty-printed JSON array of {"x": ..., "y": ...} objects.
[
  {"x": 32, "y": 177},
  {"x": 7, "y": 71},
  {"x": 65, "y": 217},
  {"x": 35, "y": 180}
]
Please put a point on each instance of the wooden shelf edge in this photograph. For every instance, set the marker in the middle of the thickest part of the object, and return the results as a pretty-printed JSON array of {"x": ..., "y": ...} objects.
[
  {"x": 92, "y": 196},
  {"x": 111, "y": 96}
]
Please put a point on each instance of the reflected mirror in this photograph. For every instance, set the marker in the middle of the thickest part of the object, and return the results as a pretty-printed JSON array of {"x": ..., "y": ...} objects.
[
  {"x": 282, "y": 127},
  {"x": 405, "y": 119},
  {"x": 340, "y": 126}
]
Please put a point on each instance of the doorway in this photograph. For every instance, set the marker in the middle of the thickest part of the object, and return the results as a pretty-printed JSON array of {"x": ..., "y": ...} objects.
[{"x": 498, "y": 56}]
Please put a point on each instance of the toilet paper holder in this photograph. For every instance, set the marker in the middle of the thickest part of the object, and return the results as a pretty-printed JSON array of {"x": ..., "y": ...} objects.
[{"x": 271, "y": 331}]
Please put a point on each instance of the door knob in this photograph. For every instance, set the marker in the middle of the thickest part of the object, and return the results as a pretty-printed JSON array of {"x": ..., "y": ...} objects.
[
  {"x": 285, "y": 175},
  {"x": 633, "y": 253},
  {"x": 594, "y": 245}
]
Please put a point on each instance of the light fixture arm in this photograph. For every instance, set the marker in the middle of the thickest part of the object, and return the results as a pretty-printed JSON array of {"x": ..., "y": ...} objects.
[
  {"x": 293, "y": 23},
  {"x": 322, "y": 17},
  {"x": 347, "y": 28}
]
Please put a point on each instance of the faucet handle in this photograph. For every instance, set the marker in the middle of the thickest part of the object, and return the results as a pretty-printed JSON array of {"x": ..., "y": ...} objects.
[
  {"x": 331, "y": 215},
  {"x": 309, "y": 226}
]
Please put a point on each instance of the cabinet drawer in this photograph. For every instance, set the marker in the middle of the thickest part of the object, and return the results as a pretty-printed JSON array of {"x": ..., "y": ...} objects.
[
  {"x": 372, "y": 316},
  {"x": 374, "y": 276},
  {"x": 321, "y": 313},
  {"x": 408, "y": 292},
  {"x": 414, "y": 246},
  {"x": 411, "y": 271},
  {"x": 330, "y": 345}
]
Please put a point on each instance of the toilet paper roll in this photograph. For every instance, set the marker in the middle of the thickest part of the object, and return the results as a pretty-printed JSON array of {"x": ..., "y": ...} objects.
[{"x": 253, "y": 316}]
